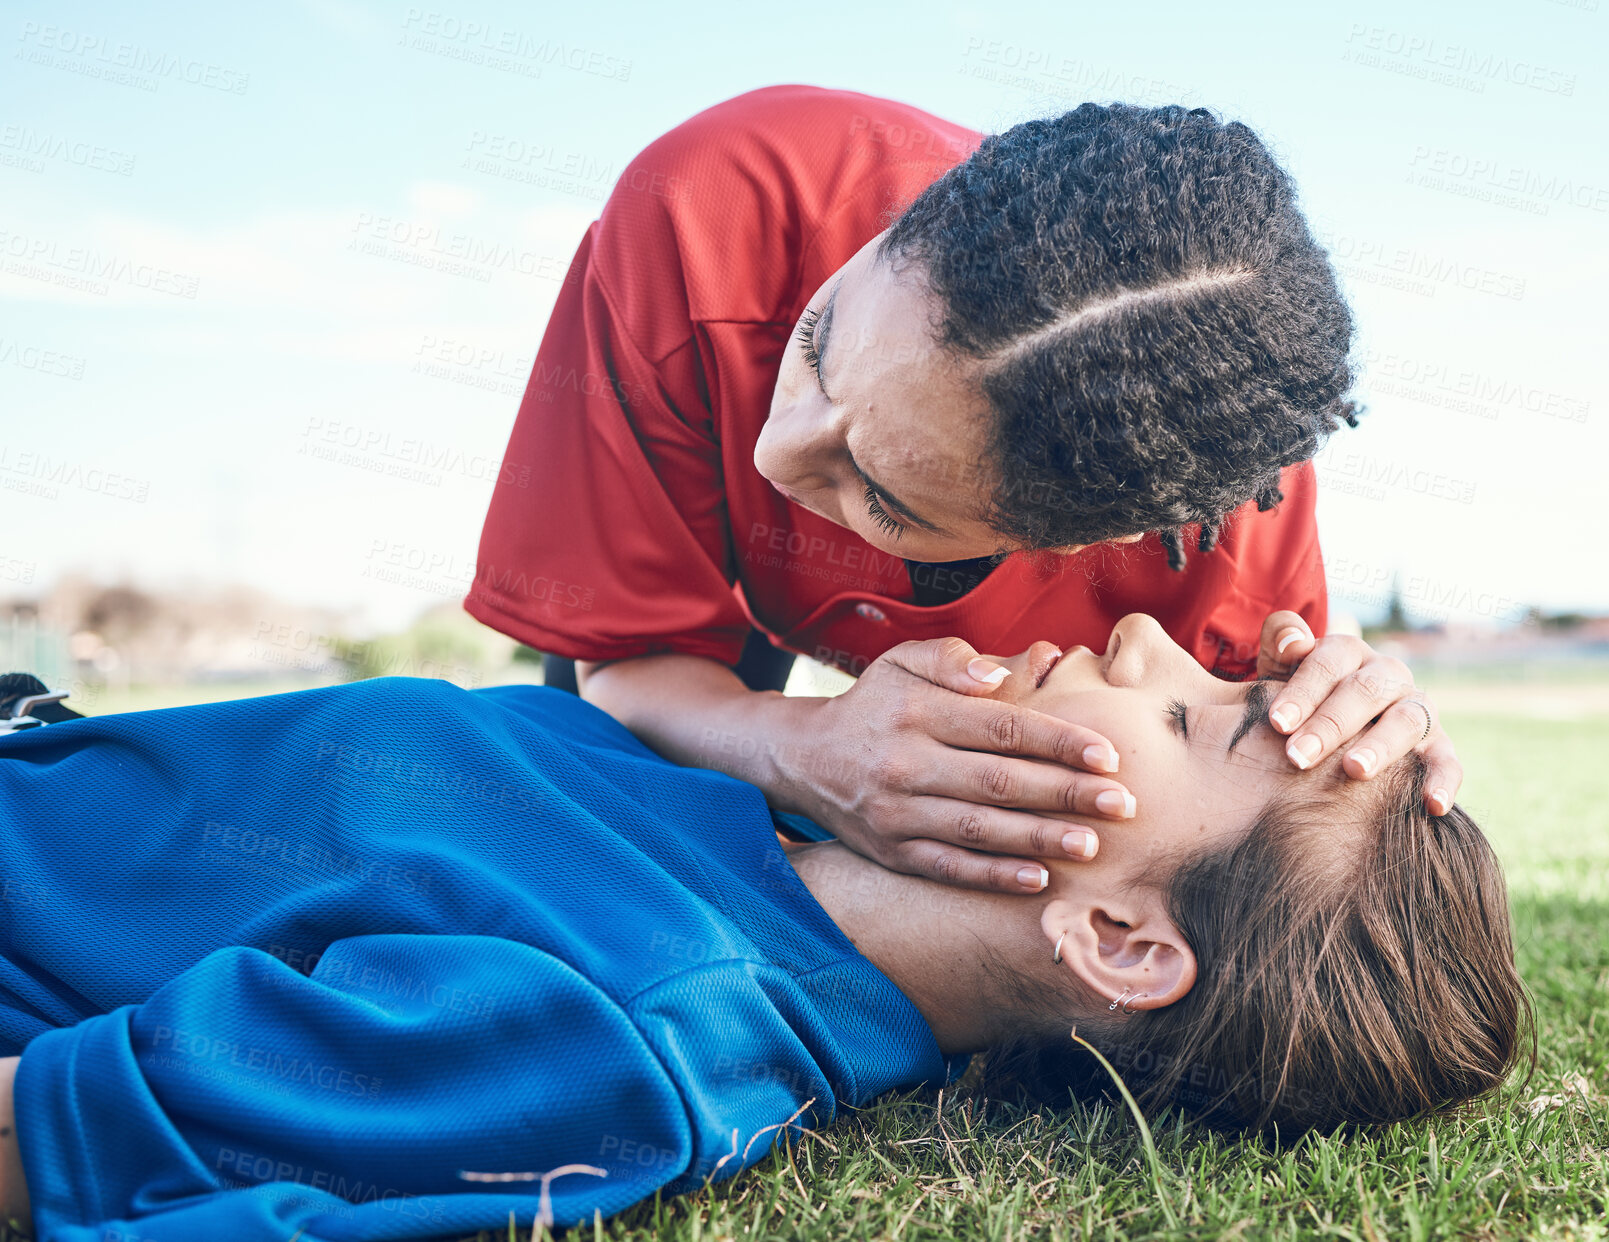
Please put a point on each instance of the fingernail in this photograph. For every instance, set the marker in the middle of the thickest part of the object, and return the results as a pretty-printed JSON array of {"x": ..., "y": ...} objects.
[
  {"x": 1115, "y": 802},
  {"x": 988, "y": 672},
  {"x": 1364, "y": 758},
  {"x": 1285, "y": 717},
  {"x": 1034, "y": 878},
  {"x": 1100, "y": 758},
  {"x": 1286, "y": 639},
  {"x": 1079, "y": 844},
  {"x": 1304, "y": 750},
  {"x": 1441, "y": 800}
]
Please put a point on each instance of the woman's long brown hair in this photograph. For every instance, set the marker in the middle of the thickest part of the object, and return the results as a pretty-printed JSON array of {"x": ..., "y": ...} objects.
[{"x": 1343, "y": 976}]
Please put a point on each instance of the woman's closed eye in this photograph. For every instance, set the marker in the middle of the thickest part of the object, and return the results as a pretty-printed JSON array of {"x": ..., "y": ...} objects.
[
  {"x": 1254, "y": 709},
  {"x": 882, "y": 516},
  {"x": 805, "y": 333}
]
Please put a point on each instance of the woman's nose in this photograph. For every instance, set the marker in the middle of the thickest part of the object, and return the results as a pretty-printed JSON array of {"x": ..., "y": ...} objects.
[
  {"x": 789, "y": 451},
  {"x": 1137, "y": 645}
]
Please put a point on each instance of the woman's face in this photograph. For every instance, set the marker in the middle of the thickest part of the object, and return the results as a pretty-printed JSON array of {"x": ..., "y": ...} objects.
[
  {"x": 1202, "y": 762},
  {"x": 876, "y": 428},
  {"x": 1196, "y": 752}
]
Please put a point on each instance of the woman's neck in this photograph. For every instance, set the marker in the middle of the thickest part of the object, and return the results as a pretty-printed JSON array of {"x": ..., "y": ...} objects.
[{"x": 963, "y": 958}]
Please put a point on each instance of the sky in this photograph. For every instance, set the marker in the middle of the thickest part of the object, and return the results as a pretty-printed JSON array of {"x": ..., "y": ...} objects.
[{"x": 234, "y": 348}]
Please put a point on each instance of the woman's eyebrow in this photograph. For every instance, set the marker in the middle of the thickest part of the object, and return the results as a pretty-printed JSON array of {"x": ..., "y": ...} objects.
[{"x": 1257, "y": 696}]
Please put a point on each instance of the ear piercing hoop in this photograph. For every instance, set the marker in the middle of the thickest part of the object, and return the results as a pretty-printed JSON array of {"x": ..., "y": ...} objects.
[{"x": 1125, "y": 1001}]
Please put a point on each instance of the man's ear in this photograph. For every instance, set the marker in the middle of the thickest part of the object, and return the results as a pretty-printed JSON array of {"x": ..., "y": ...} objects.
[{"x": 1127, "y": 949}]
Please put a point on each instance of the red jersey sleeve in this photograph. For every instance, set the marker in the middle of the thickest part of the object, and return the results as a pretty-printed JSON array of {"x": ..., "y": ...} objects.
[
  {"x": 610, "y": 531},
  {"x": 607, "y": 534}
]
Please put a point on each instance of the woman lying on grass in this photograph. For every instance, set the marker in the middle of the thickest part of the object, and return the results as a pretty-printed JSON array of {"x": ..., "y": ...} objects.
[{"x": 295, "y": 965}]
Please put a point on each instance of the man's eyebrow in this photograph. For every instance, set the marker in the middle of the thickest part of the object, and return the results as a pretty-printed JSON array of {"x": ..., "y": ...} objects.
[
  {"x": 823, "y": 328},
  {"x": 1257, "y": 696}
]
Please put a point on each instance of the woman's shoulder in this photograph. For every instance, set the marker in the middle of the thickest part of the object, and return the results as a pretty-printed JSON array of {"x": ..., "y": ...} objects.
[
  {"x": 734, "y": 196},
  {"x": 796, "y": 114}
]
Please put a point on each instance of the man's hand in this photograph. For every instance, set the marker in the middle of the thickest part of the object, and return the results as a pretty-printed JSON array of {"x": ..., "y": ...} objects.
[{"x": 1336, "y": 686}]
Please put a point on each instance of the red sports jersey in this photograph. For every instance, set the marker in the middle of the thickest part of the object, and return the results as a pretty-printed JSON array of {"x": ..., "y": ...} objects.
[{"x": 631, "y": 519}]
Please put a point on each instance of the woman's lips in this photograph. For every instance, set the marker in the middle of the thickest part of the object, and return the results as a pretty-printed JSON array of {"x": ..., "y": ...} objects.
[{"x": 1075, "y": 650}]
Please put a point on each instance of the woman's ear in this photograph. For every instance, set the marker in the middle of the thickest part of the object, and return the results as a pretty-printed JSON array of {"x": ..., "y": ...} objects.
[{"x": 1127, "y": 950}]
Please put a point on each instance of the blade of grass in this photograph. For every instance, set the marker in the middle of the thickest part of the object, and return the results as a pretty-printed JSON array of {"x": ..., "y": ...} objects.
[{"x": 1139, "y": 1119}]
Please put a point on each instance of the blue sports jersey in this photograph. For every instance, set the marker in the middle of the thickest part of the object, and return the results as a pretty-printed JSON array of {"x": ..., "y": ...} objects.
[{"x": 294, "y": 963}]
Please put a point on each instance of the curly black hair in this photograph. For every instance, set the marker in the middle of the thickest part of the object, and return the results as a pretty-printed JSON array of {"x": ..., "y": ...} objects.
[{"x": 1158, "y": 332}]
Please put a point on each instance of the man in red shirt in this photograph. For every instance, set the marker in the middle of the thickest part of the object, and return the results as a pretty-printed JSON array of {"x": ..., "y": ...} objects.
[{"x": 757, "y": 407}]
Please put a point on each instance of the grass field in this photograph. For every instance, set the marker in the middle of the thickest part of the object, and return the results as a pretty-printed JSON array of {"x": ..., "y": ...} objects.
[{"x": 1531, "y": 1164}]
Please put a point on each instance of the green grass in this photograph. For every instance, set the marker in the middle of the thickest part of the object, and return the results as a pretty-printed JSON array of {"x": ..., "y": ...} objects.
[{"x": 1533, "y": 1163}]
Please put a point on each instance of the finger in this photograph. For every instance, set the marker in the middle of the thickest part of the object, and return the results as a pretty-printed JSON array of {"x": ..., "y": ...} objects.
[
  {"x": 1028, "y": 784},
  {"x": 1444, "y": 775},
  {"x": 1311, "y": 684},
  {"x": 948, "y": 863},
  {"x": 1402, "y": 727},
  {"x": 1286, "y": 639},
  {"x": 997, "y": 831},
  {"x": 952, "y": 663},
  {"x": 1010, "y": 729},
  {"x": 1379, "y": 688}
]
